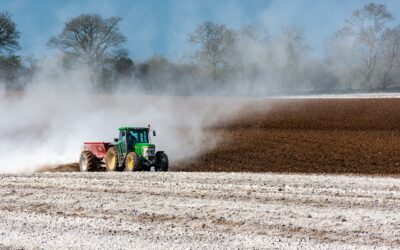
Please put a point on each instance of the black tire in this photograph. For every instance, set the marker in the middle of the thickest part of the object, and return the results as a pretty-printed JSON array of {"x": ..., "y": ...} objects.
[
  {"x": 132, "y": 162},
  {"x": 161, "y": 162},
  {"x": 111, "y": 159},
  {"x": 87, "y": 162}
]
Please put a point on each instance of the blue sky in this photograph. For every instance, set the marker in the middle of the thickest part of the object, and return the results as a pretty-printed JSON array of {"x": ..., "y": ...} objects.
[{"x": 161, "y": 26}]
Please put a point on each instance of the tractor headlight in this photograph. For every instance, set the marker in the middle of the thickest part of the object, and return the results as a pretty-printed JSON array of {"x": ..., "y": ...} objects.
[{"x": 149, "y": 152}]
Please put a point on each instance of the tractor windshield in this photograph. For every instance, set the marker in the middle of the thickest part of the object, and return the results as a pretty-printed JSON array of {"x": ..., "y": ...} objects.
[{"x": 138, "y": 136}]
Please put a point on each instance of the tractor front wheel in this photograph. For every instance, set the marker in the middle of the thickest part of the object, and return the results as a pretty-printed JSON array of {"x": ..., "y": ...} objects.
[
  {"x": 111, "y": 159},
  {"x": 161, "y": 162},
  {"x": 132, "y": 162},
  {"x": 87, "y": 162}
]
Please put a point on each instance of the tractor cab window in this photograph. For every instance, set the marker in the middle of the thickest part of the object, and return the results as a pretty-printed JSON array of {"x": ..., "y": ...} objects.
[
  {"x": 137, "y": 136},
  {"x": 122, "y": 136}
]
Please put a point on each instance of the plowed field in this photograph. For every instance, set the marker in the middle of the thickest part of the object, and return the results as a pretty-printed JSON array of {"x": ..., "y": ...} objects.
[{"x": 353, "y": 136}]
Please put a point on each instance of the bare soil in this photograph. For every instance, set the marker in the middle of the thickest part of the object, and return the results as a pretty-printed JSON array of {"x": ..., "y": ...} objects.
[{"x": 352, "y": 136}]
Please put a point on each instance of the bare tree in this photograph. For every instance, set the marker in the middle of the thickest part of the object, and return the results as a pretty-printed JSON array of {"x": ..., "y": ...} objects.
[
  {"x": 366, "y": 26},
  {"x": 391, "y": 53},
  {"x": 123, "y": 65},
  {"x": 293, "y": 49},
  {"x": 340, "y": 59},
  {"x": 297, "y": 47},
  {"x": 248, "y": 65},
  {"x": 9, "y": 34},
  {"x": 216, "y": 43},
  {"x": 254, "y": 32},
  {"x": 89, "y": 38}
]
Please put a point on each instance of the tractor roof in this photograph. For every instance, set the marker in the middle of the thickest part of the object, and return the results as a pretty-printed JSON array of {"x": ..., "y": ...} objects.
[{"x": 132, "y": 128}]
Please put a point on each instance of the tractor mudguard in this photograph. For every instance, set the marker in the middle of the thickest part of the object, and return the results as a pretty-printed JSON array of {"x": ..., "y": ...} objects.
[{"x": 99, "y": 149}]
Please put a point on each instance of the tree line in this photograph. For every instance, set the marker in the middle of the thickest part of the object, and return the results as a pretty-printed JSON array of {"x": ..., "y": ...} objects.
[{"x": 362, "y": 56}]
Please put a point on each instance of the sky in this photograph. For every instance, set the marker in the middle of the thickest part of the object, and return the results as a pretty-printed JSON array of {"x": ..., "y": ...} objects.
[{"x": 161, "y": 26}]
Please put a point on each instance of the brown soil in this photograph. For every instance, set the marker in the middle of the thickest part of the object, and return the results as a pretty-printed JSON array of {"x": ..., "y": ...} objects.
[
  {"x": 336, "y": 136},
  {"x": 357, "y": 136}
]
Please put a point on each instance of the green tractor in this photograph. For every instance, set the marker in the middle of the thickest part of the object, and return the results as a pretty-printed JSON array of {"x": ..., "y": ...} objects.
[{"x": 131, "y": 151}]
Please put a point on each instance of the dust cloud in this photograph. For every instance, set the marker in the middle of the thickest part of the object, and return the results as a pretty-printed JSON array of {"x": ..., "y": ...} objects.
[{"x": 46, "y": 124}]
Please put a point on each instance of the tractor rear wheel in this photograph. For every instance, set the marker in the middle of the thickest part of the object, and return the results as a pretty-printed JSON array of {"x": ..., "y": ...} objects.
[
  {"x": 132, "y": 162},
  {"x": 111, "y": 159},
  {"x": 161, "y": 162},
  {"x": 87, "y": 162}
]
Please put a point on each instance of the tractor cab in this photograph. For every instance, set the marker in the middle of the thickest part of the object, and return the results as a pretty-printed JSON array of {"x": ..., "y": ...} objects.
[
  {"x": 133, "y": 135},
  {"x": 135, "y": 139}
]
